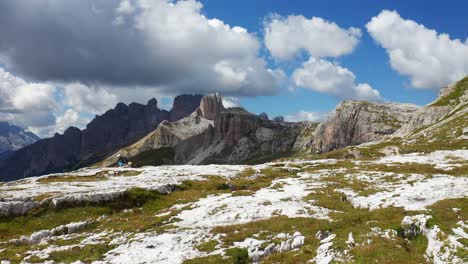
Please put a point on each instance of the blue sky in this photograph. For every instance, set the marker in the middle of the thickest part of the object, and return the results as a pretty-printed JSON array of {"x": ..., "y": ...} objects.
[
  {"x": 369, "y": 62},
  {"x": 63, "y": 62}
]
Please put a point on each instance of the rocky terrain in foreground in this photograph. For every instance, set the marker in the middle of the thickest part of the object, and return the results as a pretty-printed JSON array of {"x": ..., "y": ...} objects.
[{"x": 407, "y": 208}]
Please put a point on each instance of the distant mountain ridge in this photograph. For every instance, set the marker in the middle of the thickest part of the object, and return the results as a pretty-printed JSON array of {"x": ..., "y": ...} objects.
[
  {"x": 13, "y": 138},
  {"x": 235, "y": 136},
  {"x": 105, "y": 134},
  {"x": 214, "y": 134},
  {"x": 200, "y": 130}
]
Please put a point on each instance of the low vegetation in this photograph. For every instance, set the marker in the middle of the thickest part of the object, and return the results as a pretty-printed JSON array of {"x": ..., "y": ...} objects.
[
  {"x": 454, "y": 97},
  {"x": 155, "y": 157},
  {"x": 100, "y": 176},
  {"x": 141, "y": 210}
]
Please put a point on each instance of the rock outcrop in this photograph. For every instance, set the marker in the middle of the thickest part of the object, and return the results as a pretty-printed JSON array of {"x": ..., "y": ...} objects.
[
  {"x": 451, "y": 98},
  {"x": 169, "y": 134},
  {"x": 306, "y": 137},
  {"x": 211, "y": 106},
  {"x": 184, "y": 105},
  {"x": 13, "y": 138},
  {"x": 104, "y": 135},
  {"x": 239, "y": 137},
  {"x": 423, "y": 117},
  {"x": 356, "y": 122},
  {"x": 213, "y": 134}
]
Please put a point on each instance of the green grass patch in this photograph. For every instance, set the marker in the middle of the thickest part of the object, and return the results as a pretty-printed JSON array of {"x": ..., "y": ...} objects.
[
  {"x": 100, "y": 176},
  {"x": 87, "y": 254},
  {"x": 238, "y": 255},
  {"x": 43, "y": 196},
  {"x": 213, "y": 259},
  {"x": 263, "y": 180},
  {"x": 14, "y": 227},
  {"x": 390, "y": 251},
  {"x": 154, "y": 157},
  {"x": 445, "y": 217},
  {"x": 208, "y": 246},
  {"x": 15, "y": 254}
]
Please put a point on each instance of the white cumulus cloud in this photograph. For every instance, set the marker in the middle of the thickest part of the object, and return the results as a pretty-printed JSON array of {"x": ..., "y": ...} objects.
[
  {"x": 88, "y": 99},
  {"x": 231, "y": 101},
  {"x": 430, "y": 59},
  {"x": 70, "y": 118},
  {"x": 326, "y": 77},
  {"x": 168, "y": 45},
  {"x": 286, "y": 36},
  {"x": 306, "y": 116},
  {"x": 26, "y": 104}
]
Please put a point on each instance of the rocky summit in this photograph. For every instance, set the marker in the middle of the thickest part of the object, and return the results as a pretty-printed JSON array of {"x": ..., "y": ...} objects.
[
  {"x": 13, "y": 138},
  {"x": 373, "y": 183}
]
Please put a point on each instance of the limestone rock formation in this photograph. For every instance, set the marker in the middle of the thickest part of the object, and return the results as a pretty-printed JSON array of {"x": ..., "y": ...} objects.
[
  {"x": 306, "y": 137},
  {"x": 184, "y": 105},
  {"x": 423, "y": 117},
  {"x": 169, "y": 134},
  {"x": 239, "y": 137},
  {"x": 213, "y": 134},
  {"x": 104, "y": 135},
  {"x": 356, "y": 122},
  {"x": 451, "y": 98},
  {"x": 211, "y": 106}
]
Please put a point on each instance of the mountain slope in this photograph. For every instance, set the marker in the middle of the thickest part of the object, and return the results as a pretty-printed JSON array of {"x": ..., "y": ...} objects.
[{"x": 441, "y": 125}]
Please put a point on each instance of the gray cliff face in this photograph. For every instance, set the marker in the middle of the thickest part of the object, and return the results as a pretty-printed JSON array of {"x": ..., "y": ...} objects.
[
  {"x": 423, "y": 117},
  {"x": 169, "y": 134},
  {"x": 104, "y": 135},
  {"x": 306, "y": 137},
  {"x": 211, "y": 106},
  {"x": 13, "y": 138},
  {"x": 356, "y": 122},
  {"x": 450, "y": 98},
  {"x": 213, "y": 134},
  {"x": 184, "y": 105},
  {"x": 239, "y": 137}
]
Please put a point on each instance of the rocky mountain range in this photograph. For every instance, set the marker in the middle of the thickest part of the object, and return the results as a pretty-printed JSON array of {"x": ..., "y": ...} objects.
[
  {"x": 235, "y": 136},
  {"x": 105, "y": 134},
  {"x": 13, "y": 138},
  {"x": 200, "y": 130}
]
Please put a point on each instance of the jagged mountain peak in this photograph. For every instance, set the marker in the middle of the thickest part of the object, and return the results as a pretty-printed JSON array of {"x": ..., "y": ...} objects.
[
  {"x": 13, "y": 138},
  {"x": 184, "y": 105},
  {"x": 211, "y": 105}
]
